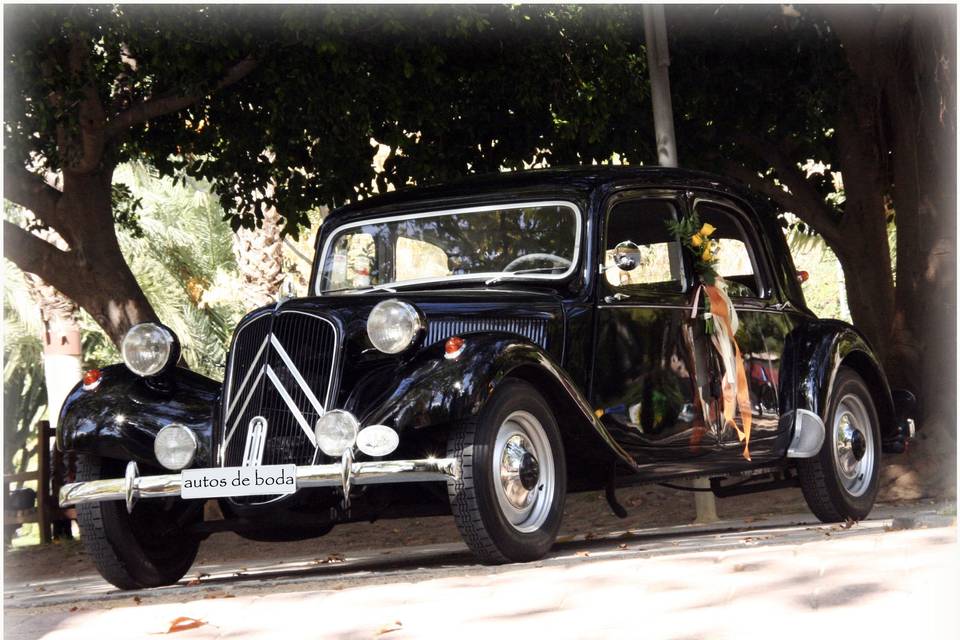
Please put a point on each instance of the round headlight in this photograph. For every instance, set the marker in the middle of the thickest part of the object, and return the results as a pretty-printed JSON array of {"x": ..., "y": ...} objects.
[
  {"x": 175, "y": 447},
  {"x": 148, "y": 348},
  {"x": 393, "y": 325},
  {"x": 336, "y": 432}
]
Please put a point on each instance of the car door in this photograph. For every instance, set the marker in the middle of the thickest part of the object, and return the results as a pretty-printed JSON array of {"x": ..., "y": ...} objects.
[
  {"x": 743, "y": 264},
  {"x": 650, "y": 385}
]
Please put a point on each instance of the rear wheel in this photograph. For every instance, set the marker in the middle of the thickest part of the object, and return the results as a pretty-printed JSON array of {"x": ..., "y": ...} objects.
[
  {"x": 508, "y": 500},
  {"x": 142, "y": 549},
  {"x": 842, "y": 480}
]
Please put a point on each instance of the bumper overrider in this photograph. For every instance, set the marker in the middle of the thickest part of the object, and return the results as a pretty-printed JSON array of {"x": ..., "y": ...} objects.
[{"x": 344, "y": 474}]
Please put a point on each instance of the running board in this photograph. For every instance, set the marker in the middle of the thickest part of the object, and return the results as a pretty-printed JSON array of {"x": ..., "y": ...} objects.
[{"x": 774, "y": 481}]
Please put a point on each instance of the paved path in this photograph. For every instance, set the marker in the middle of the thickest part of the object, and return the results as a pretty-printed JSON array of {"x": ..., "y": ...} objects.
[{"x": 786, "y": 576}]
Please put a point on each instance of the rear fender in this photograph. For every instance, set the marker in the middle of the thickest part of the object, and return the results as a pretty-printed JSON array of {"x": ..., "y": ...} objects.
[
  {"x": 813, "y": 354},
  {"x": 121, "y": 416}
]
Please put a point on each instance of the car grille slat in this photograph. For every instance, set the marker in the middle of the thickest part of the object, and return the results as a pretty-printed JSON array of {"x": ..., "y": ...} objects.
[
  {"x": 533, "y": 329},
  {"x": 301, "y": 351}
]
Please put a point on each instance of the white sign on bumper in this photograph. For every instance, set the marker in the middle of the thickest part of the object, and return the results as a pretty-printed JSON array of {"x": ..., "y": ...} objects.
[{"x": 225, "y": 482}]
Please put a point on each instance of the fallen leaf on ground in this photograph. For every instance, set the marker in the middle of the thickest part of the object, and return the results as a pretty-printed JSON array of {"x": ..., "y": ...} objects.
[
  {"x": 183, "y": 623},
  {"x": 193, "y": 582},
  {"x": 390, "y": 627},
  {"x": 136, "y": 599},
  {"x": 72, "y": 609},
  {"x": 848, "y": 523}
]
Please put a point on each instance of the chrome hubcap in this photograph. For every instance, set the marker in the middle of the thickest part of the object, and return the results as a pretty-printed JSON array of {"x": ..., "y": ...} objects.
[
  {"x": 524, "y": 476},
  {"x": 853, "y": 445}
]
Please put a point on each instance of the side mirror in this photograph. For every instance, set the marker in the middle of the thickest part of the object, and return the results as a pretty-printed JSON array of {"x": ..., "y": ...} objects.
[{"x": 626, "y": 255}]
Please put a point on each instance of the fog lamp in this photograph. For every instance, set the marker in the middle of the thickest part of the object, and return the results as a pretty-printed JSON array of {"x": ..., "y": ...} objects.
[
  {"x": 336, "y": 432},
  {"x": 175, "y": 447}
]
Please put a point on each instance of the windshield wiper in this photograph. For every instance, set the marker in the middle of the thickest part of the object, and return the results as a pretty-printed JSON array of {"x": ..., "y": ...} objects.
[
  {"x": 368, "y": 288},
  {"x": 506, "y": 275}
]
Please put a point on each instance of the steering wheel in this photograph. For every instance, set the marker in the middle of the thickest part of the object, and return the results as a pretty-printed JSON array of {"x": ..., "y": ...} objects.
[{"x": 559, "y": 261}]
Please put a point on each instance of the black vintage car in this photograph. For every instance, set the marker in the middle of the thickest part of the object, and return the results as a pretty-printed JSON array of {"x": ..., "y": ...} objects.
[{"x": 485, "y": 348}]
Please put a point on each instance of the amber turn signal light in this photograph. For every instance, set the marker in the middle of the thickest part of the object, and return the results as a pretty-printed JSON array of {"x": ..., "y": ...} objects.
[
  {"x": 91, "y": 379},
  {"x": 453, "y": 347},
  {"x": 802, "y": 276}
]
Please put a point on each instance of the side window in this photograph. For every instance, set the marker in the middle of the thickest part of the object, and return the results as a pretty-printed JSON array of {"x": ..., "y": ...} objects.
[
  {"x": 643, "y": 223},
  {"x": 735, "y": 258}
]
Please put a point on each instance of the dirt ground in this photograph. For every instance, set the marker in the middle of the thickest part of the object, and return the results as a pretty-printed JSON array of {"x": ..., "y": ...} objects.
[{"x": 586, "y": 513}]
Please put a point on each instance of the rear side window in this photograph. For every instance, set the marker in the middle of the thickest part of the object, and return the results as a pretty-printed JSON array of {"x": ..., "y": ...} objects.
[
  {"x": 736, "y": 259},
  {"x": 643, "y": 223}
]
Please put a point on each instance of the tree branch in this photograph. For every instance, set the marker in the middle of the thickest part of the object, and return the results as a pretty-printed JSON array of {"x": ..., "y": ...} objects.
[
  {"x": 34, "y": 255},
  {"x": 803, "y": 198},
  {"x": 92, "y": 117},
  {"x": 32, "y": 192},
  {"x": 146, "y": 110}
]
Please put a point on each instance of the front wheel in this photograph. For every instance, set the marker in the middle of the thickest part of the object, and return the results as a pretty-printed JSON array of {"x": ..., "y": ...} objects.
[
  {"x": 138, "y": 550},
  {"x": 508, "y": 500},
  {"x": 842, "y": 480}
]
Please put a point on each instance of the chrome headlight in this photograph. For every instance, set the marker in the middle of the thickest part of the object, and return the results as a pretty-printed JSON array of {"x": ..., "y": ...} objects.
[
  {"x": 336, "y": 432},
  {"x": 149, "y": 348},
  {"x": 175, "y": 447},
  {"x": 393, "y": 325}
]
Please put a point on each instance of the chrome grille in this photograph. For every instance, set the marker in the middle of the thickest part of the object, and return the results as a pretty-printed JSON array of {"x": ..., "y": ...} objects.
[
  {"x": 533, "y": 329},
  {"x": 283, "y": 368}
]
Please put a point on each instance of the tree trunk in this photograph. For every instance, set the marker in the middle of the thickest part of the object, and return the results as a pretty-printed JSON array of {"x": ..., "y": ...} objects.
[
  {"x": 92, "y": 272},
  {"x": 864, "y": 251},
  {"x": 62, "y": 349},
  {"x": 259, "y": 254}
]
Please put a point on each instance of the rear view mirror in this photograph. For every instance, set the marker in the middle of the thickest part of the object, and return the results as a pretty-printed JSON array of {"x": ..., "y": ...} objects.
[{"x": 626, "y": 255}]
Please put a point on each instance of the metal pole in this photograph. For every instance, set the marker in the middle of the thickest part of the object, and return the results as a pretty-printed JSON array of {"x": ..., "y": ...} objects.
[{"x": 658, "y": 63}]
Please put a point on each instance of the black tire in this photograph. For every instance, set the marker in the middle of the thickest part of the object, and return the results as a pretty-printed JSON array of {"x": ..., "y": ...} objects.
[
  {"x": 139, "y": 550},
  {"x": 821, "y": 479},
  {"x": 473, "y": 496}
]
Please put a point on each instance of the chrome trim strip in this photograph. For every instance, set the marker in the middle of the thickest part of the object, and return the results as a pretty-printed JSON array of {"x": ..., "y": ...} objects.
[
  {"x": 246, "y": 378},
  {"x": 574, "y": 263},
  {"x": 292, "y": 406},
  {"x": 321, "y": 475},
  {"x": 297, "y": 375},
  {"x": 226, "y": 441}
]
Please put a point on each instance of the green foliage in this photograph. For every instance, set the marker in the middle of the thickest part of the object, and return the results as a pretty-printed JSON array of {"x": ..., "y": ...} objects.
[
  {"x": 184, "y": 252},
  {"x": 24, "y": 393},
  {"x": 451, "y": 90}
]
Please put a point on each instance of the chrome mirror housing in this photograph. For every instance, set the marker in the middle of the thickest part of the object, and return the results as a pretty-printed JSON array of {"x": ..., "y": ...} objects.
[{"x": 626, "y": 255}]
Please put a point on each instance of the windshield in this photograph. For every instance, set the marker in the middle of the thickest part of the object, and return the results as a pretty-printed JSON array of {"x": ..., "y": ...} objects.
[{"x": 536, "y": 241}]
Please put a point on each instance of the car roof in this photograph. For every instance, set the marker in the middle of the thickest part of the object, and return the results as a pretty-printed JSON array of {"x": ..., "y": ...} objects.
[{"x": 582, "y": 179}]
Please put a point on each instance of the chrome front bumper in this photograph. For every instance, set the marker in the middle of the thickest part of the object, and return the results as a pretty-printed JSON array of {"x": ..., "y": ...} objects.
[{"x": 133, "y": 486}]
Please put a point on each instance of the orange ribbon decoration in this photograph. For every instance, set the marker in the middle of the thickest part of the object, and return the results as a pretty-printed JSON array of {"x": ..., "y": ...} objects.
[{"x": 740, "y": 396}]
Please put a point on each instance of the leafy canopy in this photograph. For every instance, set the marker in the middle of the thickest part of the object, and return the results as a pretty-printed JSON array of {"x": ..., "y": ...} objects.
[{"x": 290, "y": 97}]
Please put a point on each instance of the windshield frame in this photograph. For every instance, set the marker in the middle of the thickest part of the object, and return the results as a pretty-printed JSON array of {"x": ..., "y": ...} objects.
[{"x": 487, "y": 275}]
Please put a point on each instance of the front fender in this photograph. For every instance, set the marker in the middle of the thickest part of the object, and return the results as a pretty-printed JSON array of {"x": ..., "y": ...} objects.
[
  {"x": 122, "y": 415},
  {"x": 814, "y": 352},
  {"x": 433, "y": 390}
]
